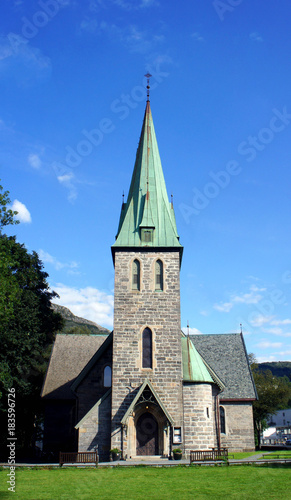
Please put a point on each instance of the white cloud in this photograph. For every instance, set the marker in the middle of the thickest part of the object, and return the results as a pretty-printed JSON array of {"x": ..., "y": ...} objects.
[
  {"x": 89, "y": 303},
  {"x": 34, "y": 160},
  {"x": 192, "y": 331},
  {"x": 49, "y": 259},
  {"x": 133, "y": 5},
  {"x": 196, "y": 36},
  {"x": 260, "y": 320},
  {"x": 23, "y": 62},
  {"x": 256, "y": 37},
  {"x": 250, "y": 298},
  {"x": 274, "y": 331},
  {"x": 270, "y": 358},
  {"x": 23, "y": 213},
  {"x": 89, "y": 24},
  {"x": 253, "y": 297},
  {"x": 226, "y": 307},
  {"x": 281, "y": 322},
  {"x": 67, "y": 180},
  {"x": 265, "y": 344},
  {"x": 275, "y": 356}
]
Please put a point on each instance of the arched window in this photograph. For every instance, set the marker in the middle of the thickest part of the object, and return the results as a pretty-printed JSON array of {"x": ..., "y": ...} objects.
[
  {"x": 147, "y": 348},
  {"x": 159, "y": 279},
  {"x": 222, "y": 419},
  {"x": 135, "y": 275},
  {"x": 107, "y": 376}
]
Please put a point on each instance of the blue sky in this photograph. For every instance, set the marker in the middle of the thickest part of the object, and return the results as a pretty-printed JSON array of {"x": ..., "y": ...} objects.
[{"x": 72, "y": 102}]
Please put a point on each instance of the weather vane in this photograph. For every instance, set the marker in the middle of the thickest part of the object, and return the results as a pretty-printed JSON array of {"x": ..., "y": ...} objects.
[{"x": 148, "y": 75}]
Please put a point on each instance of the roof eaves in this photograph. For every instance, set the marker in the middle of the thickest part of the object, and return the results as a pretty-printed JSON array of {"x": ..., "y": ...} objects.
[{"x": 250, "y": 370}]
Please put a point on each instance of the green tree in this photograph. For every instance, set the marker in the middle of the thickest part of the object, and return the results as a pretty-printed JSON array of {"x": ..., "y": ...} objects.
[
  {"x": 273, "y": 395},
  {"x": 6, "y": 214},
  {"x": 27, "y": 328}
]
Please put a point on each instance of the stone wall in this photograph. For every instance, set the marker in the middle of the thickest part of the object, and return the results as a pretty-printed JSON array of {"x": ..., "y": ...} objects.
[
  {"x": 135, "y": 310},
  {"x": 239, "y": 434},
  {"x": 94, "y": 430},
  {"x": 198, "y": 417},
  {"x": 91, "y": 389}
]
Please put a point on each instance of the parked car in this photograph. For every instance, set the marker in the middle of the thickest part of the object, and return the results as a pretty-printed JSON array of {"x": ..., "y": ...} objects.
[{"x": 288, "y": 442}]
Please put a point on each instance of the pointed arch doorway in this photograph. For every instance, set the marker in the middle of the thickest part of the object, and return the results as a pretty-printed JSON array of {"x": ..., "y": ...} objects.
[{"x": 147, "y": 435}]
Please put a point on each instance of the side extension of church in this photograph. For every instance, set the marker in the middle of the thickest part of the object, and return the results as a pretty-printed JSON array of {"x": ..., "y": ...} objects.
[{"x": 147, "y": 388}]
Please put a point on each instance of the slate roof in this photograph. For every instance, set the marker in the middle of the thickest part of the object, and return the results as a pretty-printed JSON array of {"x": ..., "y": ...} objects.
[
  {"x": 226, "y": 355},
  {"x": 70, "y": 354},
  {"x": 147, "y": 203}
]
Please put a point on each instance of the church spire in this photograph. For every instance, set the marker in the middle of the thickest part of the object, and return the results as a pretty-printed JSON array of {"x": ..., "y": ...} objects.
[{"x": 147, "y": 218}]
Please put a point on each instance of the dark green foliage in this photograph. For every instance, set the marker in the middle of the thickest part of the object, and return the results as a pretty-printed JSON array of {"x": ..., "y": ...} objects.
[
  {"x": 27, "y": 328},
  {"x": 6, "y": 214},
  {"x": 274, "y": 394},
  {"x": 278, "y": 368}
]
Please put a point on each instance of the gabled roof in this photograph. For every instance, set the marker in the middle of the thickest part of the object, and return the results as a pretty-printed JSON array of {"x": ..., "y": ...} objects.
[
  {"x": 226, "y": 355},
  {"x": 148, "y": 384},
  {"x": 99, "y": 402},
  {"x": 69, "y": 355},
  {"x": 92, "y": 362},
  {"x": 147, "y": 204}
]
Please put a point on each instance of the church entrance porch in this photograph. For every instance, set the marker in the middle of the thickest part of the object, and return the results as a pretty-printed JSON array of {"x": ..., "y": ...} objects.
[
  {"x": 147, "y": 435},
  {"x": 146, "y": 425}
]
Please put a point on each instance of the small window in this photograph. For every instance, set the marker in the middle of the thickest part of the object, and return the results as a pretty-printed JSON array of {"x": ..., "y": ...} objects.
[
  {"x": 107, "y": 376},
  {"x": 147, "y": 349},
  {"x": 222, "y": 419},
  {"x": 159, "y": 285},
  {"x": 177, "y": 437},
  {"x": 136, "y": 275},
  {"x": 207, "y": 412}
]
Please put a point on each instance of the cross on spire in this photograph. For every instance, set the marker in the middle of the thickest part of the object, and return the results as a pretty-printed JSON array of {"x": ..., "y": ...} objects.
[{"x": 148, "y": 76}]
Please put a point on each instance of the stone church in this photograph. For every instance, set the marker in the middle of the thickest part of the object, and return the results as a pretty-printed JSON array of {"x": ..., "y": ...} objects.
[{"x": 147, "y": 388}]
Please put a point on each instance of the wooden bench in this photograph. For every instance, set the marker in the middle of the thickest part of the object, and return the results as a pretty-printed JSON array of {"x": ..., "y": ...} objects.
[
  {"x": 203, "y": 455},
  {"x": 78, "y": 457}
]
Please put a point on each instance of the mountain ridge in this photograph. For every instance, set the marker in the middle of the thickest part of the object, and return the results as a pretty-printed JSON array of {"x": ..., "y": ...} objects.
[{"x": 76, "y": 324}]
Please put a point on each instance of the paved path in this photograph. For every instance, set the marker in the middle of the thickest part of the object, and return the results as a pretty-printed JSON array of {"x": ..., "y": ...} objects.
[{"x": 153, "y": 461}]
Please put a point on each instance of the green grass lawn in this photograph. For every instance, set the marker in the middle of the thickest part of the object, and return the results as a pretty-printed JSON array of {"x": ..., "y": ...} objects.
[
  {"x": 244, "y": 454},
  {"x": 140, "y": 483}
]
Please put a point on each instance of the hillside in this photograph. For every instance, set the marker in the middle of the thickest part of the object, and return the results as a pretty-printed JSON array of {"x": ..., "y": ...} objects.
[
  {"x": 278, "y": 368},
  {"x": 75, "y": 324}
]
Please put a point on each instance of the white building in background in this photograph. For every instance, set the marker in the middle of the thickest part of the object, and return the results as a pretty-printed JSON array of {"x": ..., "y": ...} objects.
[{"x": 279, "y": 427}]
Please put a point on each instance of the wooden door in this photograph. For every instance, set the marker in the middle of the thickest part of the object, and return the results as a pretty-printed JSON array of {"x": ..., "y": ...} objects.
[{"x": 147, "y": 435}]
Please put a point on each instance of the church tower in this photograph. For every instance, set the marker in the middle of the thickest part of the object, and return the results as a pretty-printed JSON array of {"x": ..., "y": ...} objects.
[{"x": 147, "y": 406}]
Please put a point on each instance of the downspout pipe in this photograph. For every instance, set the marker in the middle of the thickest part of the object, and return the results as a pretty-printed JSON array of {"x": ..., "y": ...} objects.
[{"x": 218, "y": 422}]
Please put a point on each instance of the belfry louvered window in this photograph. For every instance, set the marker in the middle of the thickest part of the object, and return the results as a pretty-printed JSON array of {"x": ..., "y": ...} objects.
[
  {"x": 147, "y": 348},
  {"x": 159, "y": 279},
  {"x": 135, "y": 275}
]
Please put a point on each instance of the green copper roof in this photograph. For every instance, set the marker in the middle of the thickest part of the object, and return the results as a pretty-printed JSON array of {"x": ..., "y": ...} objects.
[
  {"x": 194, "y": 369},
  {"x": 147, "y": 205}
]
